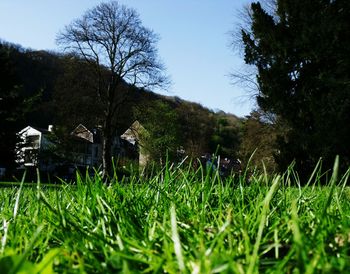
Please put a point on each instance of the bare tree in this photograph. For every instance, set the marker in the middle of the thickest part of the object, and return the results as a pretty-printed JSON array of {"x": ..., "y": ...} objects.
[
  {"x": 246, "y": 76},
  {"x": 112, "y": 39}
]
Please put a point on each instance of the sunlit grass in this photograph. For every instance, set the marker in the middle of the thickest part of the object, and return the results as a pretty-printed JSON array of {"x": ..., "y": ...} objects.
[{"x": 178, "y": 221}]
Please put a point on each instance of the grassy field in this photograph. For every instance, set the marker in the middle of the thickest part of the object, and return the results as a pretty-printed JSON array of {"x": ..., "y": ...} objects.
[{"x": 178, "y": 221}]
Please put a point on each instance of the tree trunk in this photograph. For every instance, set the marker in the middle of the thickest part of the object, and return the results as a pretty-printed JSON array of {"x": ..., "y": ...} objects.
[
  {"x": 107, "y": 149},
  {"x": 106, "y": 156}
]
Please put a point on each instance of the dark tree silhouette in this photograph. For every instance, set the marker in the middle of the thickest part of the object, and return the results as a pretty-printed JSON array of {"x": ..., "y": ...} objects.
[
  {"x": 112, "y": 39},
  {"x": 301, "y": 54}
]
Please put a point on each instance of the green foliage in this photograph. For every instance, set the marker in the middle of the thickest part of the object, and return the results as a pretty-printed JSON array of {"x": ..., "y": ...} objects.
[
  {"x": 178, "y": 220},
  {"x": 197, "y": 126},
  {"x": 14, "y": 263},
  {"x": 172, "y": 125},
  {"x": 226, "y": 137},
  {"x": 161, "y": 137},
  {"x": 301, "y": 53},
  {"x": 258, "y": 139}
]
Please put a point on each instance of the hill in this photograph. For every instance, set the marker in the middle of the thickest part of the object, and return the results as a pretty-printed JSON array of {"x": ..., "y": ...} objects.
[{"x": 60, "y": 89}]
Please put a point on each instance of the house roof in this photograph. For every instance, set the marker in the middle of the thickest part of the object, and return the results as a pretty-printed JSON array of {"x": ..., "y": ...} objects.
[
  {"x": 132, "y": 134},
  {"x": 41, "y": 130},
  {"x": 82, "y": 132}
]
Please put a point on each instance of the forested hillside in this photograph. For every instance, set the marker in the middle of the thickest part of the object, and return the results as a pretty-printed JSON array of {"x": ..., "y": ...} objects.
[{"x": 50, "y": 88}]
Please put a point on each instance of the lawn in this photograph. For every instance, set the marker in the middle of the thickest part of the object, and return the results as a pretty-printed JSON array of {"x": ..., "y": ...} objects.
[{"x": 178, "y": 221}]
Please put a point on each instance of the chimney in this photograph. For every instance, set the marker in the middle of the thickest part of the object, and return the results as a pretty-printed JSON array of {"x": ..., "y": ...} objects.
[{"x": 50, "y": 128}]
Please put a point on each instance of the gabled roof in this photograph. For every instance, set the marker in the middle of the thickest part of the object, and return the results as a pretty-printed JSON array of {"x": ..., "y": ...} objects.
[
  {"x": 40, "y": 130},
  {"x": 83, "y": 133},
  {"x": 132, "y": 134}
]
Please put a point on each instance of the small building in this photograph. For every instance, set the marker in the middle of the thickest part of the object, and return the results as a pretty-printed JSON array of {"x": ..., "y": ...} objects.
[
  {"x": 36, "y": 148},
  {"x": 39, "y": 148},
  {"x": 133, "y": 135},
  {"x": 34, "y": 141},
  {"x": 87, "y": 148}
]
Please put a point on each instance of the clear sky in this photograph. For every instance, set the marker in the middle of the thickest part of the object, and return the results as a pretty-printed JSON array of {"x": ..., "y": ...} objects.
[{"x": 194, "y": 41}]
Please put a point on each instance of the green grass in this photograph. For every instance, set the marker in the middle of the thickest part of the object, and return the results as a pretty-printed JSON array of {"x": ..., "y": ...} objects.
[{"x": 178, "y": 221}]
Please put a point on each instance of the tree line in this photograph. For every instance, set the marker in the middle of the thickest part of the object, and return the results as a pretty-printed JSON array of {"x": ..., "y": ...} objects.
[{"x": 39, "y": 88}]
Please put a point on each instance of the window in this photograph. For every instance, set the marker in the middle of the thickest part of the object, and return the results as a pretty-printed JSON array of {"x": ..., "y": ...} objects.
[
  {"x": 30, "y": 156},
  {"x": 32, "y": 141}
]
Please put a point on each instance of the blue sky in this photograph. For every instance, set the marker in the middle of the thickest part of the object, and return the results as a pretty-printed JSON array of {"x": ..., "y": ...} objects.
[{"x": 194, "y": 41}]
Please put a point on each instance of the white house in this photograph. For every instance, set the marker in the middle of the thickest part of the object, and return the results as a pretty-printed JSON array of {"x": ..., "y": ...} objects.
[
  {"x": 86, "y": 148},
  {"x": 33, "y": 141},
  {"x": 36, "y": 149}
]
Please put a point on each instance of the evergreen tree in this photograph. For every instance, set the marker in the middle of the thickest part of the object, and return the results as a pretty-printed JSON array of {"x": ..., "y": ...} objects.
[{"x": 302, "y": 55}]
